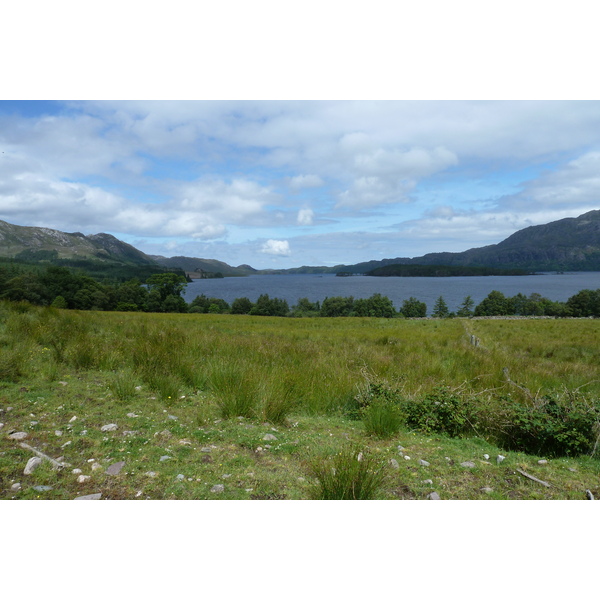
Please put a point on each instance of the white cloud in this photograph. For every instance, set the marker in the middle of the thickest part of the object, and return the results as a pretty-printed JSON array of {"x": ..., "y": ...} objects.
[
  {"x": 305, "y": 216},
  {"x": 299, "y": 182},
  {"x": 276, "y": 247}
]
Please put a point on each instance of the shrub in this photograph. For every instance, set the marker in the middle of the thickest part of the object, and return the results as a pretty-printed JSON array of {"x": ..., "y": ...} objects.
[
  {"x": 349, "y": 475},
  {"x": 440, "y": 411},
  {"x": 549, "y": 427}
]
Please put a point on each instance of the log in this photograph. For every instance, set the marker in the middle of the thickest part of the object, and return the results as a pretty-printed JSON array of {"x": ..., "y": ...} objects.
[
  {"x": 55, "y": 463},
  {"x": 533, "y": 478}
]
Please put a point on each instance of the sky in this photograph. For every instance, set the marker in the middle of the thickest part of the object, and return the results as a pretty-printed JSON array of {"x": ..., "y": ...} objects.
[{"x": 280, "y": 183}]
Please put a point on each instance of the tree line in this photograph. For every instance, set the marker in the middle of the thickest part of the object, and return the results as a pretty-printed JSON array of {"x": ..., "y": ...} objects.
[{"x": 63, "y": 288}]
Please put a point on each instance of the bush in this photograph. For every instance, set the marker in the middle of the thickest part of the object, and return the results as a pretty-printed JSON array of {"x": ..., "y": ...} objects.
[
  {"x": 549, "y": 427},
  {"x": 349, "y": 475},
  {"x": 439, "y": 412}
]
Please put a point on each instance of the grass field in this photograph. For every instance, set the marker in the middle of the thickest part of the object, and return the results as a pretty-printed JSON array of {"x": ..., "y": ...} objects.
[{"x": 239, "y": 407}]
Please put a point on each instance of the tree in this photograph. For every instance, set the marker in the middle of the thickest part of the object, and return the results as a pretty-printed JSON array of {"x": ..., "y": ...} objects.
[
  {"x": 270, "y": 307},
  {"x": 241, "y": 306},
  {"x": 413, "y": 308},
  {"x": 337, "y": 306},
  {"x": 167, "y": 284},
  {"x": 466, "y": 308},
  {"x": 494, "y": 304},
  {"x": 375, "y": 306},
  {"x": 440, "y": 309},
  {"x": 305, "y": 308}
]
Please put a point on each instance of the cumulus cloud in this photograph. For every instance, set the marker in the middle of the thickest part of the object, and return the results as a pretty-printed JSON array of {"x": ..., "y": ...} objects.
[
  {"x": 305, "y": 216},
  {"x": 276, "y": 247},
  {"x": 299, "y": 182}
]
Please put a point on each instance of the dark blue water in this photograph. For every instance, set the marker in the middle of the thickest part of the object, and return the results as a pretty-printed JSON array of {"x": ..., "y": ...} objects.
[{"x": 397, "y": 289}]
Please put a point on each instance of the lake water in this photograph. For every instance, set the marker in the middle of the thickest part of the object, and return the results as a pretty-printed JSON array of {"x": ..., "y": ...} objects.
[{"x": 397, "y": 289}]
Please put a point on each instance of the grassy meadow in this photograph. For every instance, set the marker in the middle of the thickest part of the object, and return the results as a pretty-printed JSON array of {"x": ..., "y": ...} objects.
[{"x": 210, "y": 406}]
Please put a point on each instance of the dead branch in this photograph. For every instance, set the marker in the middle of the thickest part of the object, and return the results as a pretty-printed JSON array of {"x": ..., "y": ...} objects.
[
  {"x": 533, "y": 478},
  {"x": 509, "y": 380},
  {"x": 55, "y": 463}
]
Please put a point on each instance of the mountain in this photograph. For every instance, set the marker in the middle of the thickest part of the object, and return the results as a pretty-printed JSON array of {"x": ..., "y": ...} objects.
[
  {"x": 196, "y": 267},
  {"x": 40, "y": 243},
  {"x": 571, "y": 244}
]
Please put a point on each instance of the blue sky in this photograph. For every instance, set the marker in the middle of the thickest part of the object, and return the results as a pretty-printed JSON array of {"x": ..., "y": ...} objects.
[{"x": 288, "y": 183}]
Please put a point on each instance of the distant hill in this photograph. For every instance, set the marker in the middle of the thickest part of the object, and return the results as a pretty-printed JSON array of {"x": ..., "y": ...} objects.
[
  {"x": 203, "y": 265},
  {"x": 40, "y": 243},
  {"x": 571, "y": 244}
]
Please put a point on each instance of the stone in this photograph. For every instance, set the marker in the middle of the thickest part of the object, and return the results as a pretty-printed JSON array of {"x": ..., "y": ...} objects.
[
  {"x": 487, "y": 490},
  {"x": 32, "y": 464},
  {"x": 83, "y": 478},
  {"x": 17, "y": 435},
  {"x": 89, "y": 497},
  {"x": 542, "y": 462},
  {"x": 115, "y": 468},
  {"x": 66, "y": 444},
  {"x": 180, "y": 477},
  {"x": 259, "y": 449},
  {"x": 206, "y": 449},
  {"x": 467, "y": 464},
  {"x": 73, "y": 418},
  {"x": 394, "y": 463},
  {"x": 423, "y": 463},
  {"x": 573, "y": 469},
  {"x": 430, "y": 481},
  {"x": 15, "y": 487},
  {"x": 173, "y": 418},
  {"x": 500, "y": 458},
  {"x": 76, "y": 471},
  {"x": 163, "y": 458},
  {"x": 58, "y": 433},
  {"x": 269, "y": 437},
  {"x": 206, "y": 459},
  {"x": 109, "y": 427},
  {"x": 433, "y": 496},
  {"x": 152, "y": 474},
  {"x": 226, "y": 476},
  {"x": 1, "y": 425},
  {"x": 406, "y": 457},
  {"x": 218, "y": 488},
  {"x": 42, "y": 488},
  {"x": 132, "y": 415},
  {"x": 486, "y": 456},
  {"x": 96, "y": 466}
]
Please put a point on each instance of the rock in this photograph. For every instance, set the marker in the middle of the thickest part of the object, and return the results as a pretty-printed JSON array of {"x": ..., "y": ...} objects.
[
  {"x": 217, "y": 489},
  {"x": 173, "y": 418},
  {"x": 573, "y": 469},
  {"x": 487, "y": 490},
  {"x": 84, "y": 432},
  {"x": 467, "y": 464},
  {"x": 76, "y": 471},
  {"x": 96, "y": 466},
  {"x": 430, "y": 481},
  {"x": 66, "y": 444},
  {"x": 207, "y": 449},
  {"x": 152, "y": 474},
  {"x": 89, "y": 497},
  {"x": 206, "y": 459},
  {"x": 17, "y": 435},
  {"x": 32, "y": 464},
  {"x": 163, "y": 458},
  {"x": 500, "y": 458},
  {"x": 63, "y": 383},
  {"x": 423, "y": 463},
  {"x": 15, "y": 487},
  {"x": 58, "y": 433},
  {"x": 43, "y": 488},
  {"x": 301, "y": 479},
  {"x": 73, "y": 418},
  {"x": 115, "y": 468},
  {"x": 83, "y": 478},
  {"x": 406, "y": 457},
  {"x": 269, "y": 437},
  {"x": 542, "y": 462},
  {"x": 394, "y": 463},
  {"x": 132, "y": 415},
  {"x": 400, "y": 448},
  {"x": 226, "y": 476},
  {"x": 486, "y": 456},
  {"x": 259, "y": 449},
  {"x": 433, "y": 496},
  {"x": 180, "y": 477},
  {"x": 109, "y": 427}
]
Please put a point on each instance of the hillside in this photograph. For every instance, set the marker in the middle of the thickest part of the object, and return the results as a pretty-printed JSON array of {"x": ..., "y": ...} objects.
[
  {"x": 40, "y": 243},
  {"x": 203, "y": 265}
]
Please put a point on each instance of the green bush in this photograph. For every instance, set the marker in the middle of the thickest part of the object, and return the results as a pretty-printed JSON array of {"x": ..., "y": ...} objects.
[
  {"x": 550, "y": 427},
  {"x": 441, "y": 411},
  {"x": 349, "y": 475}
]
